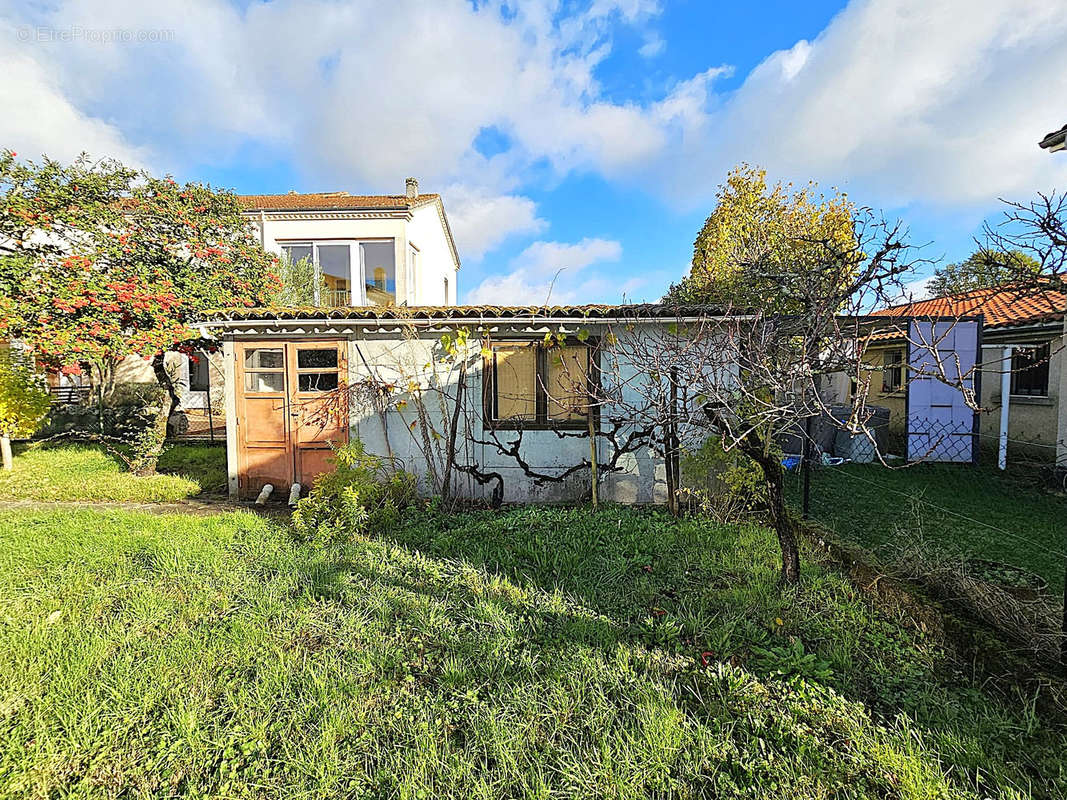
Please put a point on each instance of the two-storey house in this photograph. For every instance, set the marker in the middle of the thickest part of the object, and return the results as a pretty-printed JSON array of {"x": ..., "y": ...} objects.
[{"x": 368, "y": 249}]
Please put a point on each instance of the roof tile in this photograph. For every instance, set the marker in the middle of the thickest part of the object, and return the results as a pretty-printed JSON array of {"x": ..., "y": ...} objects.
[{"x": 331, "y": 201}]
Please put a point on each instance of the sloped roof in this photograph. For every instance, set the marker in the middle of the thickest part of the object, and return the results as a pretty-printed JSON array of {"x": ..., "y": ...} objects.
[
  {"x": 1000, "y": 307},
  {"x": 1054, "y": 139},
  {"x": 468, "y": 312},
  {"x": 331, "y": 201}
]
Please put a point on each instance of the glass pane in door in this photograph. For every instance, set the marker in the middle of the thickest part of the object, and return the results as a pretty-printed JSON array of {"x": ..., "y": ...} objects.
[{"x": 335, "y": 262}]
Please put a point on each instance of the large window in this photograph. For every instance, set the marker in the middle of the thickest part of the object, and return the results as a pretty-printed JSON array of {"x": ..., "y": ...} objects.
[
  {"x": 379, "y": 272},
  {"x": 892, "y": 370},
  {"x": 1029, "y": 371},
  {"x": 532, "y": 385},
  {"x": 351, "y": 273}
]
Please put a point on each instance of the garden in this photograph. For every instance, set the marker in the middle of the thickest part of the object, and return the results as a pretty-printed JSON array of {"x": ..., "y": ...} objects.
[{"x": 419, "y": 652}]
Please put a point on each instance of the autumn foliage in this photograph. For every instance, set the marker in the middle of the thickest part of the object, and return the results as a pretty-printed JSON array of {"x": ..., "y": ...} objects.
[{"x": 98, "y": 261}]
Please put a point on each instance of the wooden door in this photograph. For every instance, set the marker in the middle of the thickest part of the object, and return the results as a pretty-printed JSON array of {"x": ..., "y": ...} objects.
[
  {"x": 289, "y": 411},
  {"x": 318, "y": 411}
]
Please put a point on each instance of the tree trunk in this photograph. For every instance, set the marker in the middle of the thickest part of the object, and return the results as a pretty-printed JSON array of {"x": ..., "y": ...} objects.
[
  {"x": 159, "y": 367},
  {"x": 5, "y": 449},
  {"x": 774, "y": 480}
]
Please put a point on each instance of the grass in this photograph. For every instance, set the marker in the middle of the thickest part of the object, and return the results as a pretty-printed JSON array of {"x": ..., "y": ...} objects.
[
  {"x": 523, "y": 653},
  {"x": 974, "y": 510},
  {"x": 86, "y": 472}
]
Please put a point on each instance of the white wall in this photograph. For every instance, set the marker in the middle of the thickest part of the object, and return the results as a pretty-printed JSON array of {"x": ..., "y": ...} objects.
[
  {"x": 398, "y": 432},
  {"x": 426, "y": 232}
]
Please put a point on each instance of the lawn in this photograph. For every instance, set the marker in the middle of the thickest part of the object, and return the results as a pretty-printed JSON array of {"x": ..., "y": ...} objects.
[
  {"x": 86, "y": 472},
  {"x": 533, "y": 652},
  {"x": 978, "y": 511}
]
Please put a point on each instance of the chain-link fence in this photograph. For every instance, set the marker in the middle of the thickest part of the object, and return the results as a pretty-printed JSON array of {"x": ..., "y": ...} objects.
[{"x": 993, "y": 542}]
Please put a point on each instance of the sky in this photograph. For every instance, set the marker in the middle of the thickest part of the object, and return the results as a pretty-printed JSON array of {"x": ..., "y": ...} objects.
[{"x": 577, "y": 145}]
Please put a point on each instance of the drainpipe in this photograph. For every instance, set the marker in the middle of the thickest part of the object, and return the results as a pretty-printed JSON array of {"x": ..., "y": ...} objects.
[
  {"x": 263, "y": 229},
  {"x": 1005, "y": 394}
]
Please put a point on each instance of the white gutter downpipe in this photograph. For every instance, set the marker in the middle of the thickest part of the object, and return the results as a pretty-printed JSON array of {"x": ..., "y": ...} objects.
[{"x": 1005, "y": 403}]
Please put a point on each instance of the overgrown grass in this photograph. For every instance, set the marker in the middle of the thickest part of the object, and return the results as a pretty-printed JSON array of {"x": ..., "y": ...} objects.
[
  {"x": 86, "y": 472},
  {"x": 973, "y": 510},
  {"x": 535, "y": 652}
]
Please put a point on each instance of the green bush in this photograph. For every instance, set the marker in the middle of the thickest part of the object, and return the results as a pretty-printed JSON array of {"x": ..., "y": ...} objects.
[
  {"x": 722, "y": 483},
  {"x": 364, "y": 492}
]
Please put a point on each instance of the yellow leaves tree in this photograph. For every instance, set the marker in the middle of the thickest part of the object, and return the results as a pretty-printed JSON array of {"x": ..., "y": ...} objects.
[
  {"x": 24, "y": 400},
  {"x": 761, "y": 240}
]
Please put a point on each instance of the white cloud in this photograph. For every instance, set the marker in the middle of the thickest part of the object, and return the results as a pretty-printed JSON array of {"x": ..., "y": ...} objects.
[
  {"x": 654, "y": 45},
  {"x": 39, "y": 119},
  {"x": 899, "y": 101},
  {"x": 553, "y": 272},
  {"x": 481, "y": 220}
]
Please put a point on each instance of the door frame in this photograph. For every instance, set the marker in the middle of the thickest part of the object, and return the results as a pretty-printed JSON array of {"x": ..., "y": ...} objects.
[{"x": 239, "y": 478}]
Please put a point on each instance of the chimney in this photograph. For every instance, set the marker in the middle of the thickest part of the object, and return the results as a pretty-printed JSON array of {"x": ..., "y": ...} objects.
[{"x": 411, "y": 188}]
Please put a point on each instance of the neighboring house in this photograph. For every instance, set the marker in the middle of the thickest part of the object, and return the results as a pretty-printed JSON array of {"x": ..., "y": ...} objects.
[
  {"x": 1055, "y": 141},
  {"x": 1030, "y": 324},
  {"x": 283, "y": 415},
  {"x": 370, "y": 250}
]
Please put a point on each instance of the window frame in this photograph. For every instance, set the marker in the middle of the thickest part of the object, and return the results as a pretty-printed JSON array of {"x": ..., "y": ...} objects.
[
  {"x": 1042, "y": 356},
  {"x": 889, "y": 368},
  {"x": 357, "y": 268},
  {"x": 542, "y": 421}
]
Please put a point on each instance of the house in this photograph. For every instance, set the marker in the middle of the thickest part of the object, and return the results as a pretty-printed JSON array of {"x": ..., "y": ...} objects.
[
  {"x": 1055, "y": 141},
  {"x": 513, "y": 379},
  {"x": 1022, "y": 330},
  {"x": 370, "y": 250}
]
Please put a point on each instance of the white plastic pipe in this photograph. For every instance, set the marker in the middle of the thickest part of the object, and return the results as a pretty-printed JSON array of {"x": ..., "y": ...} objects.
[
  {"x": 294, "y": 494},
  {"x": 1005, "y": 395},
  {"x": 264, "y": 493}
]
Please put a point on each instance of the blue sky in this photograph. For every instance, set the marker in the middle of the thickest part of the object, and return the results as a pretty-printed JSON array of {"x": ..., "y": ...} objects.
[{"x": 587, "y": 137}]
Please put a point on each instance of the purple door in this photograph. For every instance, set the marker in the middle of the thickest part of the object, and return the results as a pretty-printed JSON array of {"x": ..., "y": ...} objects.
[{"x": 942, "y": 360}]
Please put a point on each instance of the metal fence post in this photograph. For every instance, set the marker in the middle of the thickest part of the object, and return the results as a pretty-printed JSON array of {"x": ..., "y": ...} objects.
[{"x": 805, "y": 467}]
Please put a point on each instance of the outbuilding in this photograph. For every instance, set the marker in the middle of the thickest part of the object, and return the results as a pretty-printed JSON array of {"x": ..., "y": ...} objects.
[{"x": 492, "y": 402}]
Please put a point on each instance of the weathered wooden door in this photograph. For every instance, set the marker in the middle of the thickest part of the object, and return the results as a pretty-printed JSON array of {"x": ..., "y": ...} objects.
[{"x": 289, "y": 411}]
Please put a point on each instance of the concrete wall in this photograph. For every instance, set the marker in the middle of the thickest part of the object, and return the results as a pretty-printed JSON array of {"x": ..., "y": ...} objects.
[
  {"x": 394, "y": 359},
  {"x": 399, "y": 433},
  {"x": 426, "y": 233}
]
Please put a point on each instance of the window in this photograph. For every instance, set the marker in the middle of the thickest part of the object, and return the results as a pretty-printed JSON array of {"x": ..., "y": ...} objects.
[
  {"x": 352, "y": 273},
  {"x": 531, "y": 385},
  {"x": 316, "y": 369},
  {"x": 892, "y": 370},
  {"x": 335, "y": 266},
  {"x": 199, "y": 375},
  {"x": 1029, "y": 371},
  {"x": 265, "y": 369},
  {"x": 379, "y": 271}
]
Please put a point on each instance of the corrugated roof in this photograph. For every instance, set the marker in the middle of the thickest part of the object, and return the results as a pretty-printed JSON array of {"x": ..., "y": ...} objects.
[
  {"x": 331, "y": 201},
  {"x": 1001, "y": 307},
  {"x": 590, "y": 311}
]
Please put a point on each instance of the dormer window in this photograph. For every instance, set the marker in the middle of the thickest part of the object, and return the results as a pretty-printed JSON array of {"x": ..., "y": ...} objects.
[{"x": 353, "y": 273}]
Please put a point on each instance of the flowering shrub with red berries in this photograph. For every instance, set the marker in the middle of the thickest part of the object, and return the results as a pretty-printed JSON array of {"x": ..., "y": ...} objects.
[{"x": 98, "y": 261}]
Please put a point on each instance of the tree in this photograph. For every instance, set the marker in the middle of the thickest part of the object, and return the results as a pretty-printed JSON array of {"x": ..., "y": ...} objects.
[
  {"x": 983, "y": 270},
  {"x": 781, "y": 231},
  {"x": 750, "y": 369},
  {"x": 24, "y": 400},
  {"x": 297, "y": 283},
  {"x": 99, "y": 262}
]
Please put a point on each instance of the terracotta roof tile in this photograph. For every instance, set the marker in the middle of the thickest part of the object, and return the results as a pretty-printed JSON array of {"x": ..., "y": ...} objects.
[
  {"x": 331, "y": 201},
  {"x": 1003, "y": 306}
]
